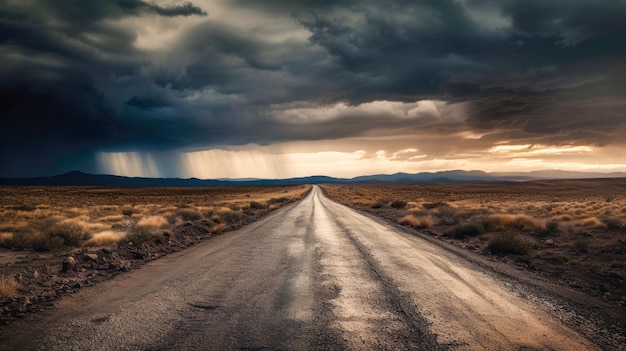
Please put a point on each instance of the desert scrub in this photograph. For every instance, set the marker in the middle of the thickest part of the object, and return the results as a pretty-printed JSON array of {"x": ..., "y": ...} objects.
[
  {"x": 592, "y": 223},
  {"x": 417, "y": 222},
  {"x": 129, "y": 211},
  {"x": 8, "y": 287},
  {"x": 465, "y": 230},
  {"x": 59, "y": 236},
  {"x": 138, "y": 234},
  {"x": 507, "y": 244},
  {"x": 228, "y": 215},
  {"x": 501, "y": 222}
]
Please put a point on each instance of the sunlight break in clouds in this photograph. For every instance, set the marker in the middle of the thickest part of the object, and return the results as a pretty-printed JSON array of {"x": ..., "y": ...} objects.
[
  {"x": 211, "y": 164},
  {"x": 303, "y": 114}
]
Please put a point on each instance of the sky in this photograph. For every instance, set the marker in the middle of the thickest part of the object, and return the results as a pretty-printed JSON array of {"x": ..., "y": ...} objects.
[{"x": 278, "y": 89}]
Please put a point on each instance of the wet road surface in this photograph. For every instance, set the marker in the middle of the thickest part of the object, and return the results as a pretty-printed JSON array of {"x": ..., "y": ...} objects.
[{"x": 314, "y": 275}]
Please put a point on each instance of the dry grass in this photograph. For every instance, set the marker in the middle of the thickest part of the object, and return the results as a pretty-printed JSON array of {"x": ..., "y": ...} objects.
[
  {"x": 503, "y": 222},
  {"x": 591, "y": 223},
  {"x": 531, "y": 207},
  {"x": 152, "y": 221},
  {"x": 8, "y": 287},
  {"x": 574, "y": 230},
  {"x": 60, "y": 218},
  {"x": 417, "y": 222},
  {"x": 106, "y": 237}
]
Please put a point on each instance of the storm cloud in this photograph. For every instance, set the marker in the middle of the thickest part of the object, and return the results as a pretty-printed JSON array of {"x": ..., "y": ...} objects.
[{"x": 438, "y": 78}]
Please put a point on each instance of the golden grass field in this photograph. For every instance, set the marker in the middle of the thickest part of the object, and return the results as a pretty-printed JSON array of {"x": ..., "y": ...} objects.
[
  {"x": 571, "y": 230},
  {"x": 36, "y": 220}
]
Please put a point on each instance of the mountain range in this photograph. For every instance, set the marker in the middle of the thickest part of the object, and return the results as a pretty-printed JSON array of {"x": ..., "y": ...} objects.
[{"x": 84, "y": 179}]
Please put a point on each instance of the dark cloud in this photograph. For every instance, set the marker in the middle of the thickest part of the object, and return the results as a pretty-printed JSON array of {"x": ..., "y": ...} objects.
[
  {"x": 75, "y": 79},
  {"x": 77, "y": 12}
]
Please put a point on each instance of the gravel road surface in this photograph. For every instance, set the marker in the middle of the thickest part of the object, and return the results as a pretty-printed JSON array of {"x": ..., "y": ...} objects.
[{"x": 313, "y": 275}]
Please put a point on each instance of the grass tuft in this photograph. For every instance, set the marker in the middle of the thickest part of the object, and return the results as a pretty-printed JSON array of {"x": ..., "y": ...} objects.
[
  {"x": 105, "y": 237},
  {"x": 59, "y": 236},
  {"x": 501, "y": 222},
  {"x": 129, "y": 211},
  {"x": 417, "y": 222},
  {"x": 152, "y": 221},
  {"x": 138, "y": 234},
  {"x": 8, "y": 287},
  {"x": 229, "y": 215}
]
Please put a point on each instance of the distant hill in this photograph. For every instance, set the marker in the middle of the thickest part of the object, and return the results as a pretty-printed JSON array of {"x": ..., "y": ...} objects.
[{"x": 84, "y": 179}]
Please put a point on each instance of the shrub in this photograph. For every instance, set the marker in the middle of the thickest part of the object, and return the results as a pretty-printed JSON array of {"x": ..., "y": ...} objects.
[
  {"x": 59, "y": 236},
  {"x": 462, "y": 231},
  {"x": 8, "y": 287},
  {"x": 398, "y": 204},
  {"x": 592, "y": 223},
  {"x": 447, "y": 215},
  {"x": 417, "y": 222},
  {"x": 129, "y": 211},
  {"x": 41, "y": 242},
  {"x": 73, "y": 235},
  {"x": 20, "y": 240},
  {"x": 232, "y": 216},
  {"x": 499, "y": 222},
  {"x": 506, "y": 244},
  {"x": 141, "y": 233},
  {"x": 255, "y": 205},
  {"x": 189, "y": 215}
]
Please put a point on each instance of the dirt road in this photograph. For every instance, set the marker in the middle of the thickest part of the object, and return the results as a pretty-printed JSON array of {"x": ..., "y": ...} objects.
[{"x": 314, "y": 275}]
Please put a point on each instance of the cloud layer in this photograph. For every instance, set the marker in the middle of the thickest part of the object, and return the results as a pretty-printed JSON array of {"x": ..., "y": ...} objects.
[{"x": 450, "y": 79}]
